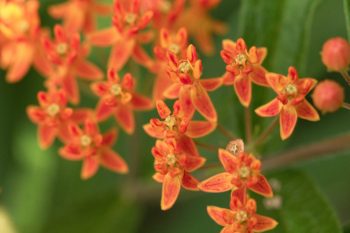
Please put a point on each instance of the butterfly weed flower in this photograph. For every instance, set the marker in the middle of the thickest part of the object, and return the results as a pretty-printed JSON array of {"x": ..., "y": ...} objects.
[{"x": 290, "y": 102}]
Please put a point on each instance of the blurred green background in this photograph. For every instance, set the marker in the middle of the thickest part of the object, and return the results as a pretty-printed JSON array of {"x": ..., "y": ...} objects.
[{"x": 42, "y": 193}]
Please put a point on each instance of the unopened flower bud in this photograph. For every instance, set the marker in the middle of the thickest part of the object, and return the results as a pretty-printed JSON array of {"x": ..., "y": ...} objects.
[
  {"x": 336, "y": 54},
  {"x": 328, "y": 96}
]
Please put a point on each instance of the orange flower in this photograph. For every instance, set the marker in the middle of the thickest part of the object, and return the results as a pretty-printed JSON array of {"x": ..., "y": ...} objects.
[
  {"x": 202, "y": 28},
  {"x": 20, "y": 35},
  {"x": 242, "y": 172},
  {"x": 125, "y": 36},
  {"x": 243, "y": 67},
  {"x": 94, "y": 148},
  {"x": 68, "y": 61},
  {"x": 241, "y": 217},
  {"x": 290, "y": 102},
  {"x": 191, "y": 91},
  {"x": 79, "y": 15},
  {"x": 119, "y": 98},
  {"x": 173, "y": 167}
]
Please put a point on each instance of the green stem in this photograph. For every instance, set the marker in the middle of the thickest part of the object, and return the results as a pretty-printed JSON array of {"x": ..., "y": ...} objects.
[
  {"x": 225, "y": 132},
  {"x": 345, "y": 76},
  {"x": 346, "y": 106},
  {"x": 266, "y": 133},
  {"x": 248, "y": 125}
]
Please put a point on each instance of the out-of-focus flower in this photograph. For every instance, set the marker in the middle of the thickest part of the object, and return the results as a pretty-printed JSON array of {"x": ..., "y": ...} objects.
[
  {"x": 125, "y": 36},
  {"x": 20, "y": 35},
  {"x": 241, "y": 217},
  {"x": 290, "y": 102},
  {"x": 243, "y": 67},
  {"x": 173, "y": 167},
  {"x": 68, "y": 61},
  {"x": 118, "y": 98},
  {"x": 79, "y": 15},
  {"x": 336, "y": 54},
  {"x": 328, "y": 96},
  {"x": 203, "y": 33},
  {"x": 93, "y": 148}
]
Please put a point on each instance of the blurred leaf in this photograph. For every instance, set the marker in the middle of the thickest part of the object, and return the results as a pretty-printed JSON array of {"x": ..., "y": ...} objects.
[
  {"x": 347, "y": 16},
  {"x": 304, "y": 209}
]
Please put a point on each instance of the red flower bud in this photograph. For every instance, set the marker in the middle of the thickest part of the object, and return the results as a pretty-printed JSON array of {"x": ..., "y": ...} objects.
[
  {"x": 328, "y": 96},
  {"x": 336, "y": 54}
]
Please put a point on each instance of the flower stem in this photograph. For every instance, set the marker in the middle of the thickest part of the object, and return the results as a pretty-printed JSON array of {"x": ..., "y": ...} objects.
[
  {"x": 266, "y": 133},
  {"x": 206, "y": 146},
  {"x": 225, "y": 132},
  {"x": 313, "y": 150},
  {"x": 346, "y": 106},
  {"x": 345, "y": 76},
  {"x": 248, "y": 125}
]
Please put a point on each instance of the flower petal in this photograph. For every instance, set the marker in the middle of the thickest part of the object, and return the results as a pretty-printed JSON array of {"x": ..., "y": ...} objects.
[
  {"x": 87, "y": 70},
  {"x": 217, "y": 184},
  {"x": 141, "y": 103},
  {"x": 221, "y": 216},
  {"x": 192, "y": 163},
  {"x": 158, "y": 177},
  {"x": 197, "y": 129},
  {"x": 163, "y": 109},
  {"x": 258, "y": 76},
  {"x": 243, "y": 89},
  {"x": 113, "y": 161},
  {"x": 264, "y": 223},
  {"x": 211, "y": 84},
  {"x": 306, "y": 111},
  {"x": 46, "y": 135},
  {"x": 21, "y": 63},
  {"x": 288, "y": 121},
  {"x": 189, "y": 182},
  {"x": 262, "y": 187},
  {"x": 71, "y": 152},
  {"x": 173, "y": 90},
  {"x": 270, "y": 109},
  {"x": 228, "y": 160},
  {"x": 104, "y": 110},
  {"x": 187, "y": 145},
  {"x": 275, "y": 81},
  {"x": 120, "y": 54},
  {"x": 155, "y": 132},
  {"x": 186, "y": 103},
  {"x": 170, "y": 191},
  {"x": 36, "y": 114},
  {"x": 125, "y": 118},
  {"x": 90, "y": 167},
  {"x": 104, "y": 38},
  {"x": 109, "y": 137},
  {"x": 203, "y": 103}
]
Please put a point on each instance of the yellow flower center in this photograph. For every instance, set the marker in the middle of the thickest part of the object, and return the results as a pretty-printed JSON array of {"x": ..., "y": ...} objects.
[
  {"x": 241, "y": 59},
  {"x": 52, "y": 110},
  {"x": 241, "y": 216},
  {"x": 171, "y": 159},
  {"x": 291, "y": 89},
  {"x": 170, "y": 122},
  {"x": 244, "y": 172},
  {"x": 185, "y": 67},
  {"x": 23, "y": 26},
  {"x": 174, "y": 48},
  {"x": 115, "y": 89},
  {"x": 165, "y": 6},
  {"x": 85, "y": 140},
  {"x": 62, "y": 48},
  {"x": 130, "y": 18}
]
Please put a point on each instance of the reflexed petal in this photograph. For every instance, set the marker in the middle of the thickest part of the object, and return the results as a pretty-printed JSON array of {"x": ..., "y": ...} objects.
[
  {"x": 140, "y": 102},
  {"x": 262, "y": 187},
  {"x": 211, "y": 84},
  {"x": 81, "y": 114},
  {"x": 243, "y": 89},
  {"x": 203, "y": 103},
  {"x": 70, "y": 87},
  {"x": 109, "y": 137},
  {"x": 288, "y": 120},
  {"x": 125, "y": 117},
  {"x": 173, "y": 91},
  {"x": 90, "y": 167},
  {"x": 270, "y": 109},
  {"x": 87, "y": 70},
  {"x": 238, "y": 197},
  {"x": 258, "y": 76},
  {"x": 264, "y": 223},
  {"x": 99, "y": 88},
  {"x": 71, "y": 152},
  {"x": 197, "y": 129},
  {"x": 140, "y": 56},
  {"x": 306, "y": 111},
  {"x": 36, "y": 114},
  {"x": 91, "y": 127},
  {"x": 155, "y": 132},
  {"x": 221, "y": 216},
  {"x": 158, "y": 177},
  {"x": 103, "y": 38},
  {"x": 192, "y": 163},
  {"x": 217, "y": 184},
  {"x": 163, "y": 109},
  {"x": 104, "y": 110},
  {"x": 228, "y": 229},
  {"x": 189, "y": 182},
  {"x": 186, "y": 102},
  {"x": 305, "y": 85},
  {"x": 46, "y": 136},
  {"x": 228, "y": 160},
  {"x": 187, "y": 145},
  {"x": 113, "y": 161},
  {"x": 170, "y": 191},
  {"x": 120, "y": 54},
  {"x": 274, "y": 80},
  {"x": 21, "y": 63}
]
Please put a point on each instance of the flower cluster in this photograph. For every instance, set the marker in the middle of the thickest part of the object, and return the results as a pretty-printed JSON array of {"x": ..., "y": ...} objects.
[{"x": 166, "y": 27}]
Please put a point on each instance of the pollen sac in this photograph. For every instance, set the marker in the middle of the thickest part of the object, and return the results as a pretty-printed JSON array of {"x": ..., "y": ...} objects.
[
  {"x": 336, "y": 54},
  {"x": 328, "y": 96}
]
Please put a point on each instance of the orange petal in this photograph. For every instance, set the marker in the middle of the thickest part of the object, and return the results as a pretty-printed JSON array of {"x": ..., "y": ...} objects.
[
  {"x": 305, "y": 85},
  {"x": 217, "y": 184},
  {"x": 189, "y": 182},
  {"x": 70, "y": 87},
  {"x": 170, "y": 191},
  {"x": 125, "y": 118},
  {"x": 306, "y": 111},
  {"x": 173, "y": 91},
  {"x": 258, "y": 76},
  {"x": 71, "y": 152},
  {"x": 141, "y": 103},
  {"x": 243, "y": 89},
  {"x": 228, "y": 229},
  {"x": 288, "y": 120},
  {"x": 192, "y": 163},
  {"x": 120, "y": 54},
  {"x": 264, "y": 223},
  {"x": 46, "y": 135},
  {"x": 163, "y": 109},
  {"x": 270, "y": 109},
  {"x": 155, "y": 132},
  {"x": 140, "y": 56},
  {"x": 104, "y": 110},
  {"x": 158, "y": 177},
  {"x": 109, "y": 137},
  {"x": 203, "y": 103},
  {"x": 262, "y": 187},
  {"x": 186, "y": 102},
  {"x": 22, "y": 62},
  {"x": 274, "y": 80},
  {"x": 197, "y": 129},
  {"x": 187, "y": 145},
  {"x": 221, "y": 216},
  {"x": 113, "y": 161},
  {"x": 228, "y": 160},
  {"x": 104, "y": 38},
  {"x": 87, "y": 70},
  {"x": 211, "y": 84},
  {"x": 36, "y": 114},
  {"x": 90, "y": 167}
]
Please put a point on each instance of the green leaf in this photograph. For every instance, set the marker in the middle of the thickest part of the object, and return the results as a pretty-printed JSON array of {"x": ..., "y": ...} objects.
[
  {"x": 304, "y": 209},
  {"x": 347, "y": 16}
]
